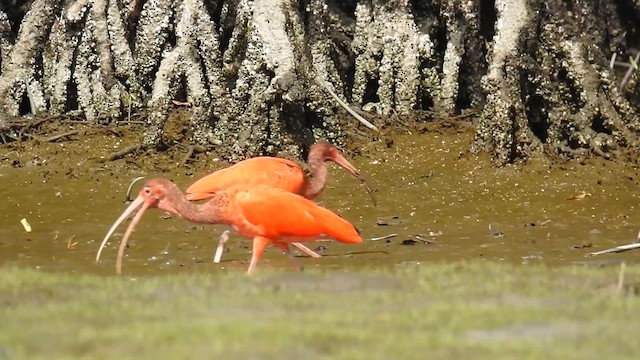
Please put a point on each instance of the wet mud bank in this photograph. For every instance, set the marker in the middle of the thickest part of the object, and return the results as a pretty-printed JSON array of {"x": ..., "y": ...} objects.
[{"x": 436, "y": 202}]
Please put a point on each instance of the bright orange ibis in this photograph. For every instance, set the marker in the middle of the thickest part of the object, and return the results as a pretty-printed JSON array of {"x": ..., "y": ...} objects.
[
  {"x": 278, "y": 173},
  {"x": 262, "y": 213}
]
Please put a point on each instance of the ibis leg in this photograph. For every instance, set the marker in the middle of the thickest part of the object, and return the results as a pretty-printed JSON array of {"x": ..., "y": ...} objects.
[
  {"x": 220, "y": 249},
  {"x": 259, "y": 244},
  {"x": 306, "y": 250}
]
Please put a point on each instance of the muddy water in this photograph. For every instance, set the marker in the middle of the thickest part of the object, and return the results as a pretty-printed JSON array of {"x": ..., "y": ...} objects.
[{"x": 442, "y": 203}]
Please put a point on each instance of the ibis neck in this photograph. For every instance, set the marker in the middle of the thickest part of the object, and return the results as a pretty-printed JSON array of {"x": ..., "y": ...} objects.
[
  {"x": 207, "y": 213},
  {"x": 314, "y": 185}
]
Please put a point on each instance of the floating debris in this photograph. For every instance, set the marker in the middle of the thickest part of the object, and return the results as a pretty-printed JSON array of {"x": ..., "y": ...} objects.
[
  {"x": 26, "y": 225},
  {"x": 70, "y": 243},
  {"x": 579, "y": 196},
  {"x": 385, "y": 237},
  {"x": 427, "y": 241},
  {"x": 584, "y": 245},
  {"x": 496, "y": 234},
  {"x": 617, "y": 249}
]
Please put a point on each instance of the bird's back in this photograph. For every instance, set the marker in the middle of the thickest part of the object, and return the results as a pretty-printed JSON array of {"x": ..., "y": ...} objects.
[
  {"x": 264, "y": 170},
  {"x": 284, "y": 216}
]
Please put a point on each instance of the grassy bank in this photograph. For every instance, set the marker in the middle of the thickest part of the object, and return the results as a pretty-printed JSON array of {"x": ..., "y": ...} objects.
[{"x": 475, "y": 310}]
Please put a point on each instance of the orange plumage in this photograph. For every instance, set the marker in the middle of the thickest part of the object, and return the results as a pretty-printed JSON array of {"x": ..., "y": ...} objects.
[
  {"x": 266, "y": 214},
  {"x": 278, "y": 173},
  {"x": 283, "y": 216},
  {"x": 263, "y": 170}
]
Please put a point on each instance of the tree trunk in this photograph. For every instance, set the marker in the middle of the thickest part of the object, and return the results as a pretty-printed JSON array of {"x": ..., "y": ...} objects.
[
  {"x": 550, "y": 85},
  {"x": 262, "y": 76}
]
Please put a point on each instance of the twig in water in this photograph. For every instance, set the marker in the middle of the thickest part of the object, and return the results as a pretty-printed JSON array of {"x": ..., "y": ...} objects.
[
  {"x": 71, "y": 245},
  {"x": 344, "y": 105},
  {"x": 621, "y": 248},
  {"x": 383, "y": 237},
  {"x": 618, "y": 249},
  {"x": 425, "y": 241}
]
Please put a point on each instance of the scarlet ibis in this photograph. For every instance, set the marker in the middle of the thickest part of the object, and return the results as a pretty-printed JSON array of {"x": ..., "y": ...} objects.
[
  {"x": 278, "y": 173},
  {"x": 265, "y": 214}
]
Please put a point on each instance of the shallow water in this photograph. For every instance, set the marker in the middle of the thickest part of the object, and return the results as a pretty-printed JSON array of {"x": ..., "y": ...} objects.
[{"x": 428, "y": 189}]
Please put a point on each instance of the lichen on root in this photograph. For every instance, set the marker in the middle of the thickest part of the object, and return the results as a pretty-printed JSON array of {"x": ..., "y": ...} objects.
[
  {"x": 329, "y": 34},
  {"x": 20, "y": 76},
  {"x": 502, "y": 127},
  {"x": 389, "y": 50},
  {"x": 5, "y": 44},
  {"x": 271, "y": 71},
  {"x": 266, "y": 76},
  {"x": 79, "y": 45},
  {"x": 187, "y": 61},
  {"x": 549, "y": 87}
]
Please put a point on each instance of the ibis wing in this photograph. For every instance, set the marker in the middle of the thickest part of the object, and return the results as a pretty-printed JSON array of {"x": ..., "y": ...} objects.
[
  {"x": 271, "y": 171},
  {"x": 279, "y": 215}
]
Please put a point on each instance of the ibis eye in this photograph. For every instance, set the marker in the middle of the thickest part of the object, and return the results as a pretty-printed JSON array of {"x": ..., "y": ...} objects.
[{"x": 147, "y": 190}]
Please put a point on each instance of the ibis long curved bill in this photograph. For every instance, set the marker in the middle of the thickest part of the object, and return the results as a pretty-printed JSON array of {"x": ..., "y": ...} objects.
[
  {"x": 123, "y": 243},
  {"x": 133, "y": 182},
  {"x": 139, "y": 204}
]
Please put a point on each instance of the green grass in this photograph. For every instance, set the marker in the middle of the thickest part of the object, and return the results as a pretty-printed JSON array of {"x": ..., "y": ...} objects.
[{"x": 477, "y": 310}]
